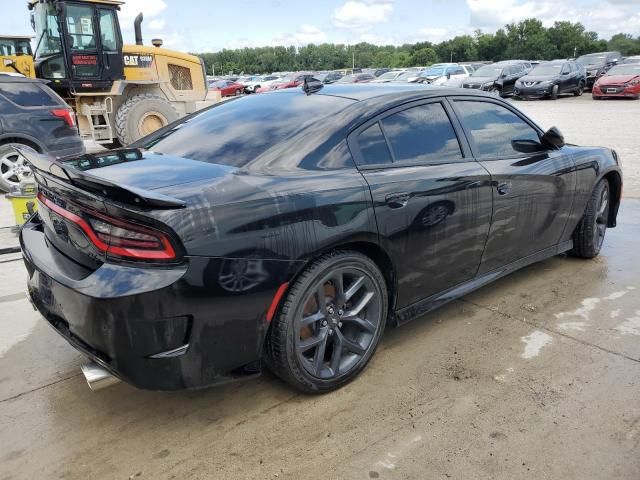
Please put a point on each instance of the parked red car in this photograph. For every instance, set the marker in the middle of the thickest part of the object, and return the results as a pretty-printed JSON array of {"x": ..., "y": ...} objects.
[
  {"x": 293, "y": 80},
  {"x": 621, "y": 81},
  {"x": 227, "y": 88}
]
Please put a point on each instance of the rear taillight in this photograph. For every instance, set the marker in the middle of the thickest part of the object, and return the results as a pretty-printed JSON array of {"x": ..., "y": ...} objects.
[
  {"x": 66, "y": 115},
  {"x": 117, "y": 237}
]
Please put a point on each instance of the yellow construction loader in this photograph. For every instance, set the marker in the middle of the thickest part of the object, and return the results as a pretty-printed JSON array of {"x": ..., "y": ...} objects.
[
  {"x": 16, "y": 56},
  {"x": 119, "y": 93}
]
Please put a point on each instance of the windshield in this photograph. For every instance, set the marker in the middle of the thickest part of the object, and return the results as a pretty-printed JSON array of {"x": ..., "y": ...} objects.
[
  {"x": 624, "y": 70},
  {"x": 489, "y": 72},
  {"x": 546, "y": 70},
  {"x": 47, "y": 32},
  {"x": 433, "y": 72},
  {"x": 388, "y": 76},
  {"x": 593, "y": 59}
]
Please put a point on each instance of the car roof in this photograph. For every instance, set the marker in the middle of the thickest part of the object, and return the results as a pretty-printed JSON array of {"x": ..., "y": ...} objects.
[
  {"x": 368, "y": 91},
  {"x": 14, "y": 79}
]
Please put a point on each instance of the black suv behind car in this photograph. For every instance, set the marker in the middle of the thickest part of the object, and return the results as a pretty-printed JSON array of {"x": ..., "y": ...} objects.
[
  {"x": 35, "y": 116},
  {"x": 551, "y": 79},
  {"x": 597, "y": 64},
  {"x": 498, "y": 78}
]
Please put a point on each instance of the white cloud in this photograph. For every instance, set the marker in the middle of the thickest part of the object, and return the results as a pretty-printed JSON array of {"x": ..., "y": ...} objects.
[
  {"x": 149, "y": 8},
  {"x": 310, "y": 34},
  {"x": 362, "y": 15},
  {"x": 606, "y": 17},
  {"x": 157, "y": 24}
]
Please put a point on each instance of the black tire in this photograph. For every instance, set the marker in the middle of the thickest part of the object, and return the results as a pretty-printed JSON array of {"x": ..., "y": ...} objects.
[
  {"x": 554, "y": 92},
  {"x": 590, "y": 232},
  {"x": 580, "y": 90},
  {"x": 298, "y": 329},
  {"x": 131, "y": 114}
]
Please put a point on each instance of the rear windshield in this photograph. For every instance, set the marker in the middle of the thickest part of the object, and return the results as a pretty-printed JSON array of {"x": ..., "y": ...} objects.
[
  {"x": 28, "y": 95},
  {"x": 238, "y": 131}
]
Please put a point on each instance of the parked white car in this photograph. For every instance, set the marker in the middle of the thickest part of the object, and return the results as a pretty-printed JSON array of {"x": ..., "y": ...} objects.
[
  {"x": 388, "y": 77},
  {"x": 442, "y": 73},
  {"x": 257, "y": 82}
]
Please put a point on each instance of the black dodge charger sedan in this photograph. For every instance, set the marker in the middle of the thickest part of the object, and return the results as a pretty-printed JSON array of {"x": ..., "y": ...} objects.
[{"x": 210, "y": 249}]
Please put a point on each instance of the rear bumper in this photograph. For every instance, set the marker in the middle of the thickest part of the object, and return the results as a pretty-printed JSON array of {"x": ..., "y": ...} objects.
[
  {"x": 156, "y": 328},
  {"x": 71, "y": 146}
]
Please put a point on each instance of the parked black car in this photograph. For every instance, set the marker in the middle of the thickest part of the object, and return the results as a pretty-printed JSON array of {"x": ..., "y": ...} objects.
[
  {"x": 206, "y": 249},
  {"x": 35, "y": 116},
  {"x": 332, "y": 77},
  {"x": 597, "y": 64},
  {"x": 551, "y": 79},
  {"x": 498, "y": 79},
  {"x": 525, "y": 64}
]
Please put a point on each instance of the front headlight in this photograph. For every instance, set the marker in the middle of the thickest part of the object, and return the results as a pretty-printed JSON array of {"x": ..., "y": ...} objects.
[
  {"x": 518, "y": 83},
  {"x": 633, "y": 83},
  {"x": 487, "y": 85}
]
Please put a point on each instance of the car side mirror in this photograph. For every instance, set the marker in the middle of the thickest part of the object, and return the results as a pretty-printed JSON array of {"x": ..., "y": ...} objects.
[
  {"x": 526, "y": 146},
  {"x": 553, "y": 138}
]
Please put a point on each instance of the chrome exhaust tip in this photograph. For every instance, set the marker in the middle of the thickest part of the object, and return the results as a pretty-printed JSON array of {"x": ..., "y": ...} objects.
[{"x": 97, "y": 377}]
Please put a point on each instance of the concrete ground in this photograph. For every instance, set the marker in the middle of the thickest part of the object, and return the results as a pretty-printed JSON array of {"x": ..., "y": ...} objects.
[{"x": 536, "y": 376}]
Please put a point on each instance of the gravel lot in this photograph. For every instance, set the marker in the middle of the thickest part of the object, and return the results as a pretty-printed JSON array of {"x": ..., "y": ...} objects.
[{"x": 536, "y": 376}]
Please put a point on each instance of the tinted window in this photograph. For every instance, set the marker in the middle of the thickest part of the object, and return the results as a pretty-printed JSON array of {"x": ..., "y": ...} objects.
[
  {"x": 566, "y": 69},
  {"x": 373, "y": 146},
  {"x": 27, "y": 95},
  {"x": 214, "y": 135},
  {"x": 493, "y": 128},
  {"x": 458, "y": 71},
  {"x": 108, "y": 30},
  {"x": 422, "y": 134}
]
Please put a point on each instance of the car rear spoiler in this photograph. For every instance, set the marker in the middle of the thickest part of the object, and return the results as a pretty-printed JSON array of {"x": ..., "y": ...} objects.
[{"x": 121, "y": 193}]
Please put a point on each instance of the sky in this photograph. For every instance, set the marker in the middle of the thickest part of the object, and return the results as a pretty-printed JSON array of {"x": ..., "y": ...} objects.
[{"x": 211, "y": 25}]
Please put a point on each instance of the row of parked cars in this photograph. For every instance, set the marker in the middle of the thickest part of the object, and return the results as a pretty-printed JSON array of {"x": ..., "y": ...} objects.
[{"x": 606, "y": 74}]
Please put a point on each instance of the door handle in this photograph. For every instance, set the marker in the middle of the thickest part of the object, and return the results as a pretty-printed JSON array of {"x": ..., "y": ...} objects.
[
  {"x": 397, "y": 200},
  {"x": 504, "y": 188}
]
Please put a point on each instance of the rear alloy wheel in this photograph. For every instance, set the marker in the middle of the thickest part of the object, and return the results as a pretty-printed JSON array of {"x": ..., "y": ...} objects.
[
  {"x": 13, "y": 166},
  {"x": 590, "y": 232},
  {"x": 554, "y": 92},
  {"x": 580, "y": 90},
  {"x": 238, "y": 92},
  {"x": 329, "y": 325}
]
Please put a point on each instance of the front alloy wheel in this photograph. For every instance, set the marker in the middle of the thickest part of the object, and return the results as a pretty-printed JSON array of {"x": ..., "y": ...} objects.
[
  {"x": 588, "y": 236},
  {"x": 330, "y": 323}
]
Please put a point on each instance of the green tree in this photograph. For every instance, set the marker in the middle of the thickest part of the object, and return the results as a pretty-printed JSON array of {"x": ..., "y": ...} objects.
[{"x": 424, "y": 56}]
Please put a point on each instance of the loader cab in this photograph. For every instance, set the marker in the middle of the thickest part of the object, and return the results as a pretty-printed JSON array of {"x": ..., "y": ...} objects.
[{"x": 78, "y": 44}]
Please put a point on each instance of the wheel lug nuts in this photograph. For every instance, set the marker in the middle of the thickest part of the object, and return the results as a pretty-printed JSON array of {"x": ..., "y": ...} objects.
[
  {"x": 331, "y": 332},
  {"x": 324, "y": 323},
  {"x": 340, "y": 312},
  {"x": 340, "y": 325},
  {"x": 330, "y": 310}
]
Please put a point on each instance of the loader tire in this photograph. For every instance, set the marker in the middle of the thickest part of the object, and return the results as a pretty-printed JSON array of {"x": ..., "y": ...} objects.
[{"x": 142, "y": 115}]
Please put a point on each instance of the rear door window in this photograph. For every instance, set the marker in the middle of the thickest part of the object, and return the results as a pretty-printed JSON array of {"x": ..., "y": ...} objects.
[
  {"x": 28, "y": 95},
  {"x": 373, "y": 146},
  {"x": 422, "y": 134}
]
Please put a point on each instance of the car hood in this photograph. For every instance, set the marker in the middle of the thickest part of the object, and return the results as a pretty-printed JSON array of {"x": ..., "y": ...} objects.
[
  {"x": 147, "y": 170},
  {"x": 593, "y": 66},
  {"x": 479, "y": 80},
  {"x": 538, "y": 78},
  {"x": 616, "y": 79}
]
